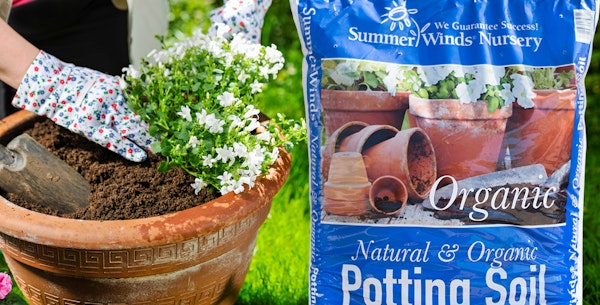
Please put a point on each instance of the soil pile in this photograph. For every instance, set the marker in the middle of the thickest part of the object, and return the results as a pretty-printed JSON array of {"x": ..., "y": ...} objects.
[{"x": 121, "y": 189}]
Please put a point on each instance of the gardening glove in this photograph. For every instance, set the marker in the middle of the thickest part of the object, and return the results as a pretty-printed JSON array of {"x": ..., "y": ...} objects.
[
  {"x": 242, "y": 16},
  {"x": 86, "y": 102}
]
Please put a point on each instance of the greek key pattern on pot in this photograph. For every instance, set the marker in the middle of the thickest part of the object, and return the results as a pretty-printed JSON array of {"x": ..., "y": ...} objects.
[
  {"x": 207, "y": 294},
  {"x": 130, "y": 262}
]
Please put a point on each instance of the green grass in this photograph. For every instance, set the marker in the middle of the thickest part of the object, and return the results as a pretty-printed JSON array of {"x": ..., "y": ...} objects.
[{"x": 279, "y": 271}]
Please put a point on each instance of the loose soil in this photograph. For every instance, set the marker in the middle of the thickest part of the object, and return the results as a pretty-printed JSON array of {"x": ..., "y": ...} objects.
[{"x": 121, "y": 189}]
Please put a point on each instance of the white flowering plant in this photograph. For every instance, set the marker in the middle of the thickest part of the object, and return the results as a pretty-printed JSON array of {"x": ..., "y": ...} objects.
[
  {"x": 199, "y": 97},
  {"x": 497, "y": 85},
  {"x": 354, "y": 75}
]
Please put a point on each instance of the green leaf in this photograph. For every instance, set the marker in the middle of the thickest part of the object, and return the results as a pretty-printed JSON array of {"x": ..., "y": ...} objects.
[
  {"x": 493, "y": 104},
  {"x": 156, "y": 147},
  {"x": 163, "y": 167}
]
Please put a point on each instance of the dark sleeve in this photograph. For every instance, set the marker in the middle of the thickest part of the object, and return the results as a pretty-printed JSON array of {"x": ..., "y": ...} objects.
[{"x": 89, "y": 33}]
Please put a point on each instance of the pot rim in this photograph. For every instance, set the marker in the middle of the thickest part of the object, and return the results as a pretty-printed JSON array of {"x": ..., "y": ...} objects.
[
  {"x": 354, "y": 100},
  {"x": 219, "y": 213},
  {"x": 453, "y": 109}
]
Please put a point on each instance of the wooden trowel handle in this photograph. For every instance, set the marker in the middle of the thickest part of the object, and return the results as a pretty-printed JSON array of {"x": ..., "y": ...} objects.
[
  {"x": 40, "y": 177},
  {"x": 6, "y": 156}
]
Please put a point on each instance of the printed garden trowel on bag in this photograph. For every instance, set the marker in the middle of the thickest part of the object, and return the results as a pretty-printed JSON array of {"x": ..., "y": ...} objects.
[{"x": 31, "y": 171}]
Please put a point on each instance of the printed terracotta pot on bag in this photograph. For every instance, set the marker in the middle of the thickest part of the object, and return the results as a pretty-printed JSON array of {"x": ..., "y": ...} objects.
[
  {"x": 334, "y": 141},
  {"x": 409, "y": 156},
  {"x": 346, "y": 192},
  {"x": 542, "y": 134},
  {"x": 388, "y": 195},
  {"x": 196, "y": 256},
  {"x": 371, "y": 107},
  {"x": 467, "y": 139}
]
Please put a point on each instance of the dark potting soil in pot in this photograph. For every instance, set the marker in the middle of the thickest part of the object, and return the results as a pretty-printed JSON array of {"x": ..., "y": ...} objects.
[
  {"x": 385, "y": 205},
  {"x": 121, "y": 189}
]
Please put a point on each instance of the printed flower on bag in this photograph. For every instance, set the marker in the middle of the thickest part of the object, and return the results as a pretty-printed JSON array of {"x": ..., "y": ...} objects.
[
  {"x": 353, "y": 75},
  {"x": 5, "y": 285},
  {"x": 497, "y": 85},
  {"x": 199, "y": 97}
]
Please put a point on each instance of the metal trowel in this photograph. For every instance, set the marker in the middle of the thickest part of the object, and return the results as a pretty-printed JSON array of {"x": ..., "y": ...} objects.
[{"x": 29, "y": 170}]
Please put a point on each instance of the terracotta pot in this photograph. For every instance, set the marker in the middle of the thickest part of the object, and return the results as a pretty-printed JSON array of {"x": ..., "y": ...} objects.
[
  {"x": 371, "y": 107},
  {"x": 196, "y": 256},
  {"x": 466, "y": 138},
  {"x": 388, "y": 195},
  {"x": 347, "y": 190},
  {"x": 334, "y": 141},
  {"x": 542, "y": 134},
  {"x": 367, "y": 138},
  {"x": 408, "y": 156}
]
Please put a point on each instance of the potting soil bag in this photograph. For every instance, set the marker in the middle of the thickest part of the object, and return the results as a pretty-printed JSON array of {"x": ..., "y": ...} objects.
[{"x": 447, "y": 149}]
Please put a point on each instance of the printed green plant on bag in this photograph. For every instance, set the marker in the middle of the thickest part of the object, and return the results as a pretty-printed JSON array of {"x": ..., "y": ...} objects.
[
  {"x": 354, "y": 75},
  {"x": 548, "y": 78}
]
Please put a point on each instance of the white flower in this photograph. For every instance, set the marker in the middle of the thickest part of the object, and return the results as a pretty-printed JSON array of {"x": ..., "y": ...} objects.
[
  {"x": 201, "y": 117},
  {"x": 238, "y": 186},
  {"x": 122, "y": 82},
  {"x": 208, "y": 160},
  {"x": 193, "y": 142},
  {"x": 251, "y": 112},
  {"x": 506, "y": 94},
  {"x": 264, "y": 136},
  {"x": 488, "y": 74},
  {"x": 523, "y": 90},
  {"x": 273, "y": 54},
  {"x": 235, "y": 121},
  {"x": 132, "y": 71},
  {"x": 243, "y": 77},
  {"x": 213, "y": 124},
  {"x": 226, "y": 99},
  {"x": 198, "y": 185},
  {"x": 390, "y": 81},
  {"x": 253, "y": 123},
  {"x": 431, "y": 75},
  {"x": 240, "y": 150},
  {"x": 226, "y": 182},
  {"x": 225, "y": 154},
  {"x": 345, "y": 73},
  {"x": 219, "y": 29},
  {"x": 264, "y": 72},
  {"x": 254, "y": 159},
  {"x": 185, "y": 113},
  {"x": 256, "y": 87},
  {"x": 470, "y": 92}
]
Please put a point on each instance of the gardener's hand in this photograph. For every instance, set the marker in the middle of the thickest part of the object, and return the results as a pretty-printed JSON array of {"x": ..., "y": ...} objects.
[
  {"x": 242, "y": 16},
  {"x": 86, "y": 102}
]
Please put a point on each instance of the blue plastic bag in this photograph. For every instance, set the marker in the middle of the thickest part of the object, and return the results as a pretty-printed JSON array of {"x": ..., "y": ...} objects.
[{"x": 447, "y": 145}]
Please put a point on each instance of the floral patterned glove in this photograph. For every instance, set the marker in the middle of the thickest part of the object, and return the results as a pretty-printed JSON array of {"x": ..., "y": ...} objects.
[
  {"x": 242, "y": 16},
  {"x": 86, "y": 102}
]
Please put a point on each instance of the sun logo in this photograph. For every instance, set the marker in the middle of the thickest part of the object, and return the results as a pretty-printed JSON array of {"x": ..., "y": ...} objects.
[{"x": 398, "y": 15}]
